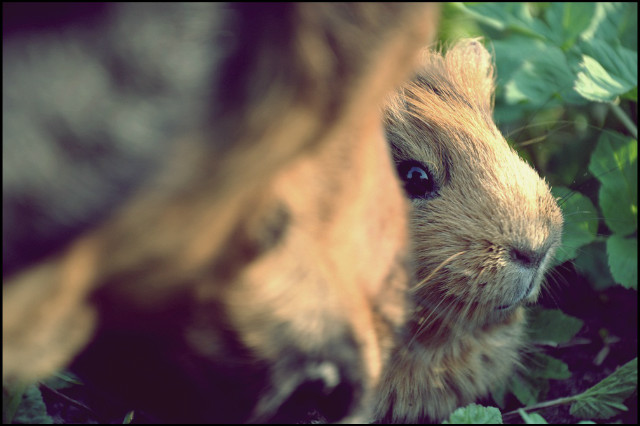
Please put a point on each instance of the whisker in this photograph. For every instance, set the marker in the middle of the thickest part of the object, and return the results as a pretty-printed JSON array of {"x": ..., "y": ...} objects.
[
  {"x": 549, "y": 283},
  {"x": 422, "y": 283},
  {"x": 426, "y": 321},
  {"x": 562, "y": 124},
  {"x": 468, "y": 306},
  {"x": 543, "y": 137}
]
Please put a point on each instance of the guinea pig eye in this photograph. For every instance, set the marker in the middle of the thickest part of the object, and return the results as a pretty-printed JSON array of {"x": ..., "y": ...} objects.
[{"x": 417, "y": 178}]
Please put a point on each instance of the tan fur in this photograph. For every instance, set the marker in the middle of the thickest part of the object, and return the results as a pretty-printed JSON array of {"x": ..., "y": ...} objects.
[
  {"x": 277, "y": 252},
  {"x": 482, "y": 243}
]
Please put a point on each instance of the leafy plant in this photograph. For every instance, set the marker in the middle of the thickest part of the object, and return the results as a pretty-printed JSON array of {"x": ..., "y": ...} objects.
[
  {"x": 606, "y": 399},
  {"x": 475, "y": 414},
  {"x": 546, "y": 327},
  {"x": 24, "y": 404},
  {"x": 602, "y": 401},
  {"x": 11, "y": 400}
]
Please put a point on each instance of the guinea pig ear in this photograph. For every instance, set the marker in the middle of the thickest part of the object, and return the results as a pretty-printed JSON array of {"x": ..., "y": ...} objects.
[{"x": 474, "y": 65}]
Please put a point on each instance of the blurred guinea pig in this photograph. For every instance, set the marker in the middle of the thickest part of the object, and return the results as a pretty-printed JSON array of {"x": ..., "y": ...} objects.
[{"x": 200, "y": 211}]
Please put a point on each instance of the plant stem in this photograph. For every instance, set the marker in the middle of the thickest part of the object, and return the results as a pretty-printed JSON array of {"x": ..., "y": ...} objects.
[
  {"x": 541, "y": 405},
  {"x": 66, "y": 398},
  {"x": 618, "y": 112}
]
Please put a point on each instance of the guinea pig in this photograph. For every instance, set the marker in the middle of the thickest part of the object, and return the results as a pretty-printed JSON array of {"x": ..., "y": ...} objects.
[{"x": 484, "y": 227}]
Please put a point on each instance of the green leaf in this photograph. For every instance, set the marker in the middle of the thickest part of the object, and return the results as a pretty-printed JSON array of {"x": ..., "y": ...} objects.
[
  {"x": 62, "y": 380},
  {"x": 543, "y": 366},
  {"x": 11, "y": 399},
  {"x": 614, "y": 163},
  {"x": 544, "y": 74},
  {"x": 527, "y": 388},
  {"x": 614, "y": 23},
  {"x": 509, "y": 57},
  {"x": 475, "y": 414},
  {"x": 606, "y": 398},
  {"x": 567, "y": 21},
  {"x": 580, "y": 222},
  {"x": 620, "y": 62},
  {"x": 128, "y": 418},
  {"x": 498, "y": 393},
  {"x": 613, "y": 154},
  {"x": 32, "y": 410},
  {"x": 595, "y": 84},
  {"x": 606, "y": 71},
  {"x": 608, "y": 49},
  {"x": 592, "y": 263},
  {"x": 623, "y": 260},
  {"x": 509, "y": 61},
  {"x": 552, "y": 326},
  {"x": 532, "y": 419},
  {"x": 531, "y": 384},
  {"x": 514, "y": 17},
  {"x": 632, "y": 94}
]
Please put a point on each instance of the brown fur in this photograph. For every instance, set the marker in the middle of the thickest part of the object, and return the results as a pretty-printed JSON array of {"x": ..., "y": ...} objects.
[
  {"x": 482, "y": 241},
  {"x": 269, "y": 252}
]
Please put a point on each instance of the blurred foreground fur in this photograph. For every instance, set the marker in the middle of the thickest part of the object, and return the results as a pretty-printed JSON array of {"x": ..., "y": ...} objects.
[{"x": 199, "y": 207}]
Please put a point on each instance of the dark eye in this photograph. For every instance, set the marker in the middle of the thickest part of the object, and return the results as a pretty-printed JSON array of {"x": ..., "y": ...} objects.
[{"x": 418, "y": 180}]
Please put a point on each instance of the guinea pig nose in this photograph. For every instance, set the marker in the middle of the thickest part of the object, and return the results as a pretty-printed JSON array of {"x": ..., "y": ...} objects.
[{"x": 526, "y": 257}]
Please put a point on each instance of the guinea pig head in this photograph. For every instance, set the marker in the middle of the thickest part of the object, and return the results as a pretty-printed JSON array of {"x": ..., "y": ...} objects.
[{"x": 484, "y": 224}]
